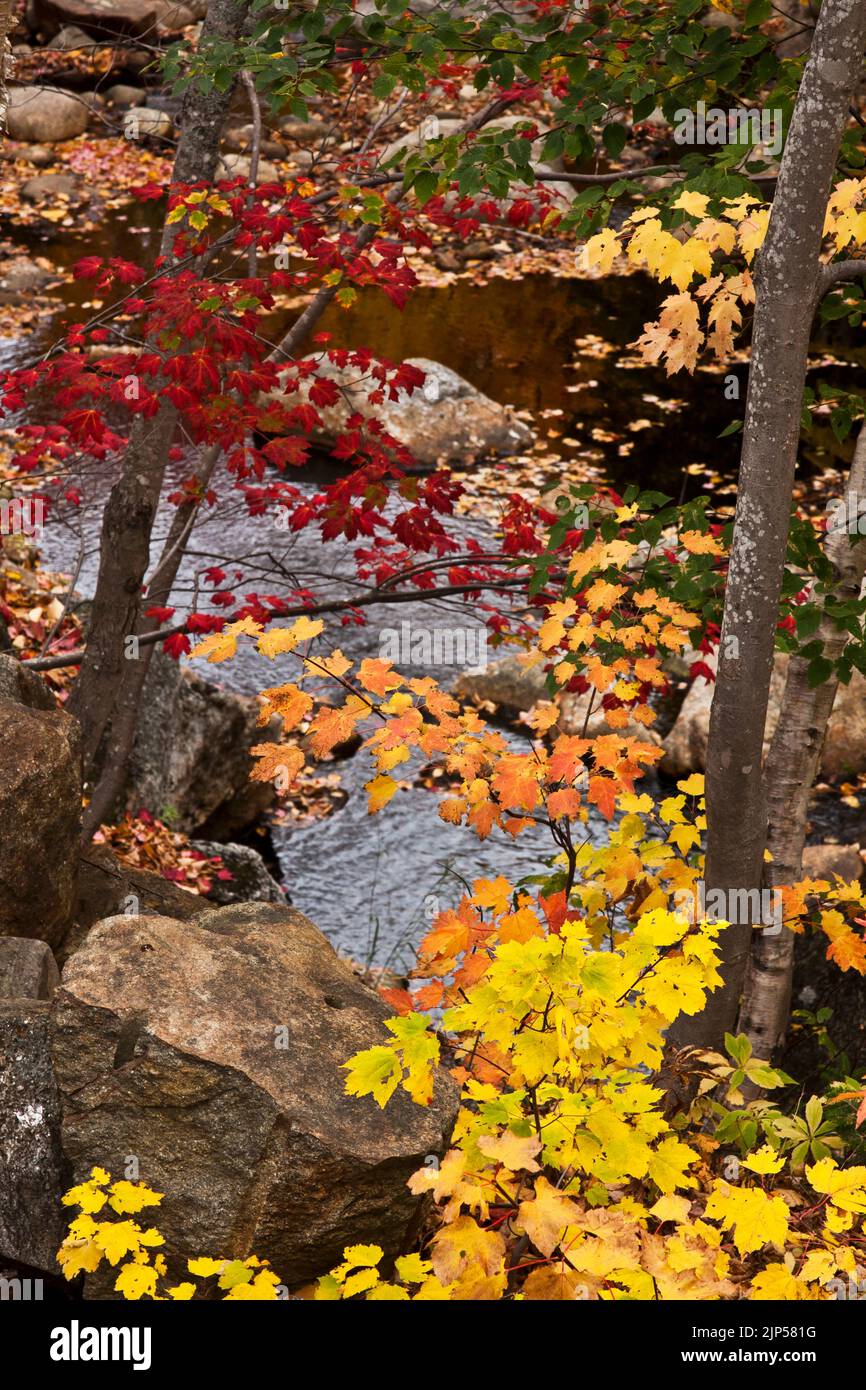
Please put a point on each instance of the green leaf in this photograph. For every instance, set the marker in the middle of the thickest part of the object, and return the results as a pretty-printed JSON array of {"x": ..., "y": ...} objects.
[
  {"x": 814, "y": 1112},
  {"x": 614, "y": 138}
]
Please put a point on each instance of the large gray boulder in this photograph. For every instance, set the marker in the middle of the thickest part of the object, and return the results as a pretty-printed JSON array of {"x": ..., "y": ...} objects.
[
  {"x": 191, "y": 759},
  {"x": 447, "y": 420},
  {"x": 40, "y": 812},
  {"x": 212, "y": 1051},
  {"x": 44, "y": 115},
  {"x": 33, "y": 1171}
]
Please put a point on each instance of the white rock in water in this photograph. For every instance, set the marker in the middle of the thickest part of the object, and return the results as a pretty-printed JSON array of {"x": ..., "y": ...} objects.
[{"x": 446, "y": 420}]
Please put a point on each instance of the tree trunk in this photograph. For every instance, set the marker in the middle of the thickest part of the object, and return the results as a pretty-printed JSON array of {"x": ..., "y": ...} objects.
[
  {"x": 7, "y": 22},
  {"x": 789, "y": 774},
  {"x": 788, "y": 287},
  {"x": 127, "y": 522}
]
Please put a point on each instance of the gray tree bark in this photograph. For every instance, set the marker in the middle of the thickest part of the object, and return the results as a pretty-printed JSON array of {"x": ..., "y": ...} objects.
[
  {"x": 789, "y": 284},
  {"x": 790, "y": 771}
]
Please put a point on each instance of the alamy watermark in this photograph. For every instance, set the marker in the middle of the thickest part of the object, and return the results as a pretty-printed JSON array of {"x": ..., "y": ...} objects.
[
  {"x": 17, "y": 1290},
  {"x": 754, "y": 907},
  {"x": 738, "y": 125},
  {"x": 22, "y": 516},
  {"x": 77, "y": 1343},
  {"x": 847, "y": 514},
  {"x": 410, "y": 645}
]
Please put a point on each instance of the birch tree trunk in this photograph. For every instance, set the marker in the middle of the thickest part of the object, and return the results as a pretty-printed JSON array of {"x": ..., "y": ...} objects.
[
  {"x": 789, "y": 773},
  {"x": 7, "y": 23},
  {"x": 789, "y": 284}
]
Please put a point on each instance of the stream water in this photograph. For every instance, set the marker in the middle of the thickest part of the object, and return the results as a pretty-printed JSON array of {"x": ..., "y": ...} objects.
[{"x": 553, "y": 347}]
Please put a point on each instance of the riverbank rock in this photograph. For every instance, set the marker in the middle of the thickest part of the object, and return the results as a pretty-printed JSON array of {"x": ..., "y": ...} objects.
[
  {"x": 40, "y": 156},
  {"x": 40, "y": 811},
  {"x": 122, "y": 95},
  {"x": 313, "y": 131},
  {"x": 512, "y": 689},
  {"x": 22, "y": 686},
  {"x": 70, "y": 38},
  {"x": 250, "y": 881},
  {"x": 101, "y": 18},
  {"x": 844, "y": 751},
  {"x": 507, "y": 684},
  {"x": 33, "y": 1171},
  {"x": 49, "y": 188},
  {"x": 171, "y": 16},
  {"x": 237, "y": 166},
  {"x": 823, "y": 861},
  {"x": 213, "y": 1051},
  {"x": 28, "y": 969},
  {"x": 44, "y": 115},
  {"x": 146, "y": 120},
  {"x": 191, "y": 761},
  {"x": 447, "y": 420}
]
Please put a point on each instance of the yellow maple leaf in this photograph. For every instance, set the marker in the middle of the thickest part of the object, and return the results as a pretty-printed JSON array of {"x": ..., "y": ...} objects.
[
  {"x": 602, "y": 249},
  {"x": 79, "y": 1257},
  {"x": 752, "y": 231},
  {"x": 676, "y": 336},
  {"x": 132, "y": 1197},
  {"x": 547, "y": 1216},
  {"x": 764, "y": 1160},
  {"x": 700, "y": 543},
  {"x": 470, "y": 1258},
  {"x": 695, "y": 204},
  {"x": 754, "y": 1218},
  {"x": 217, "y": 646},
  {"x": 380, "y": 791},
  {"x": 285, "y": 639},
  {"x": 846, "y": 1187},
  {"x": 204, "y": 1267},
  {"x": 776, "y": 1282},
  {"x": 136, "y": 1280},
  {"x": 514, "y": 1151}
]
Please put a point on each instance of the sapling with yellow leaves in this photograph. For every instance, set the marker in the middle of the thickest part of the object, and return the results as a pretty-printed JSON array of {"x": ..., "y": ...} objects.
[
  {"x": 136, "y": 1253},
  {"x": 550, "y": 998}
]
